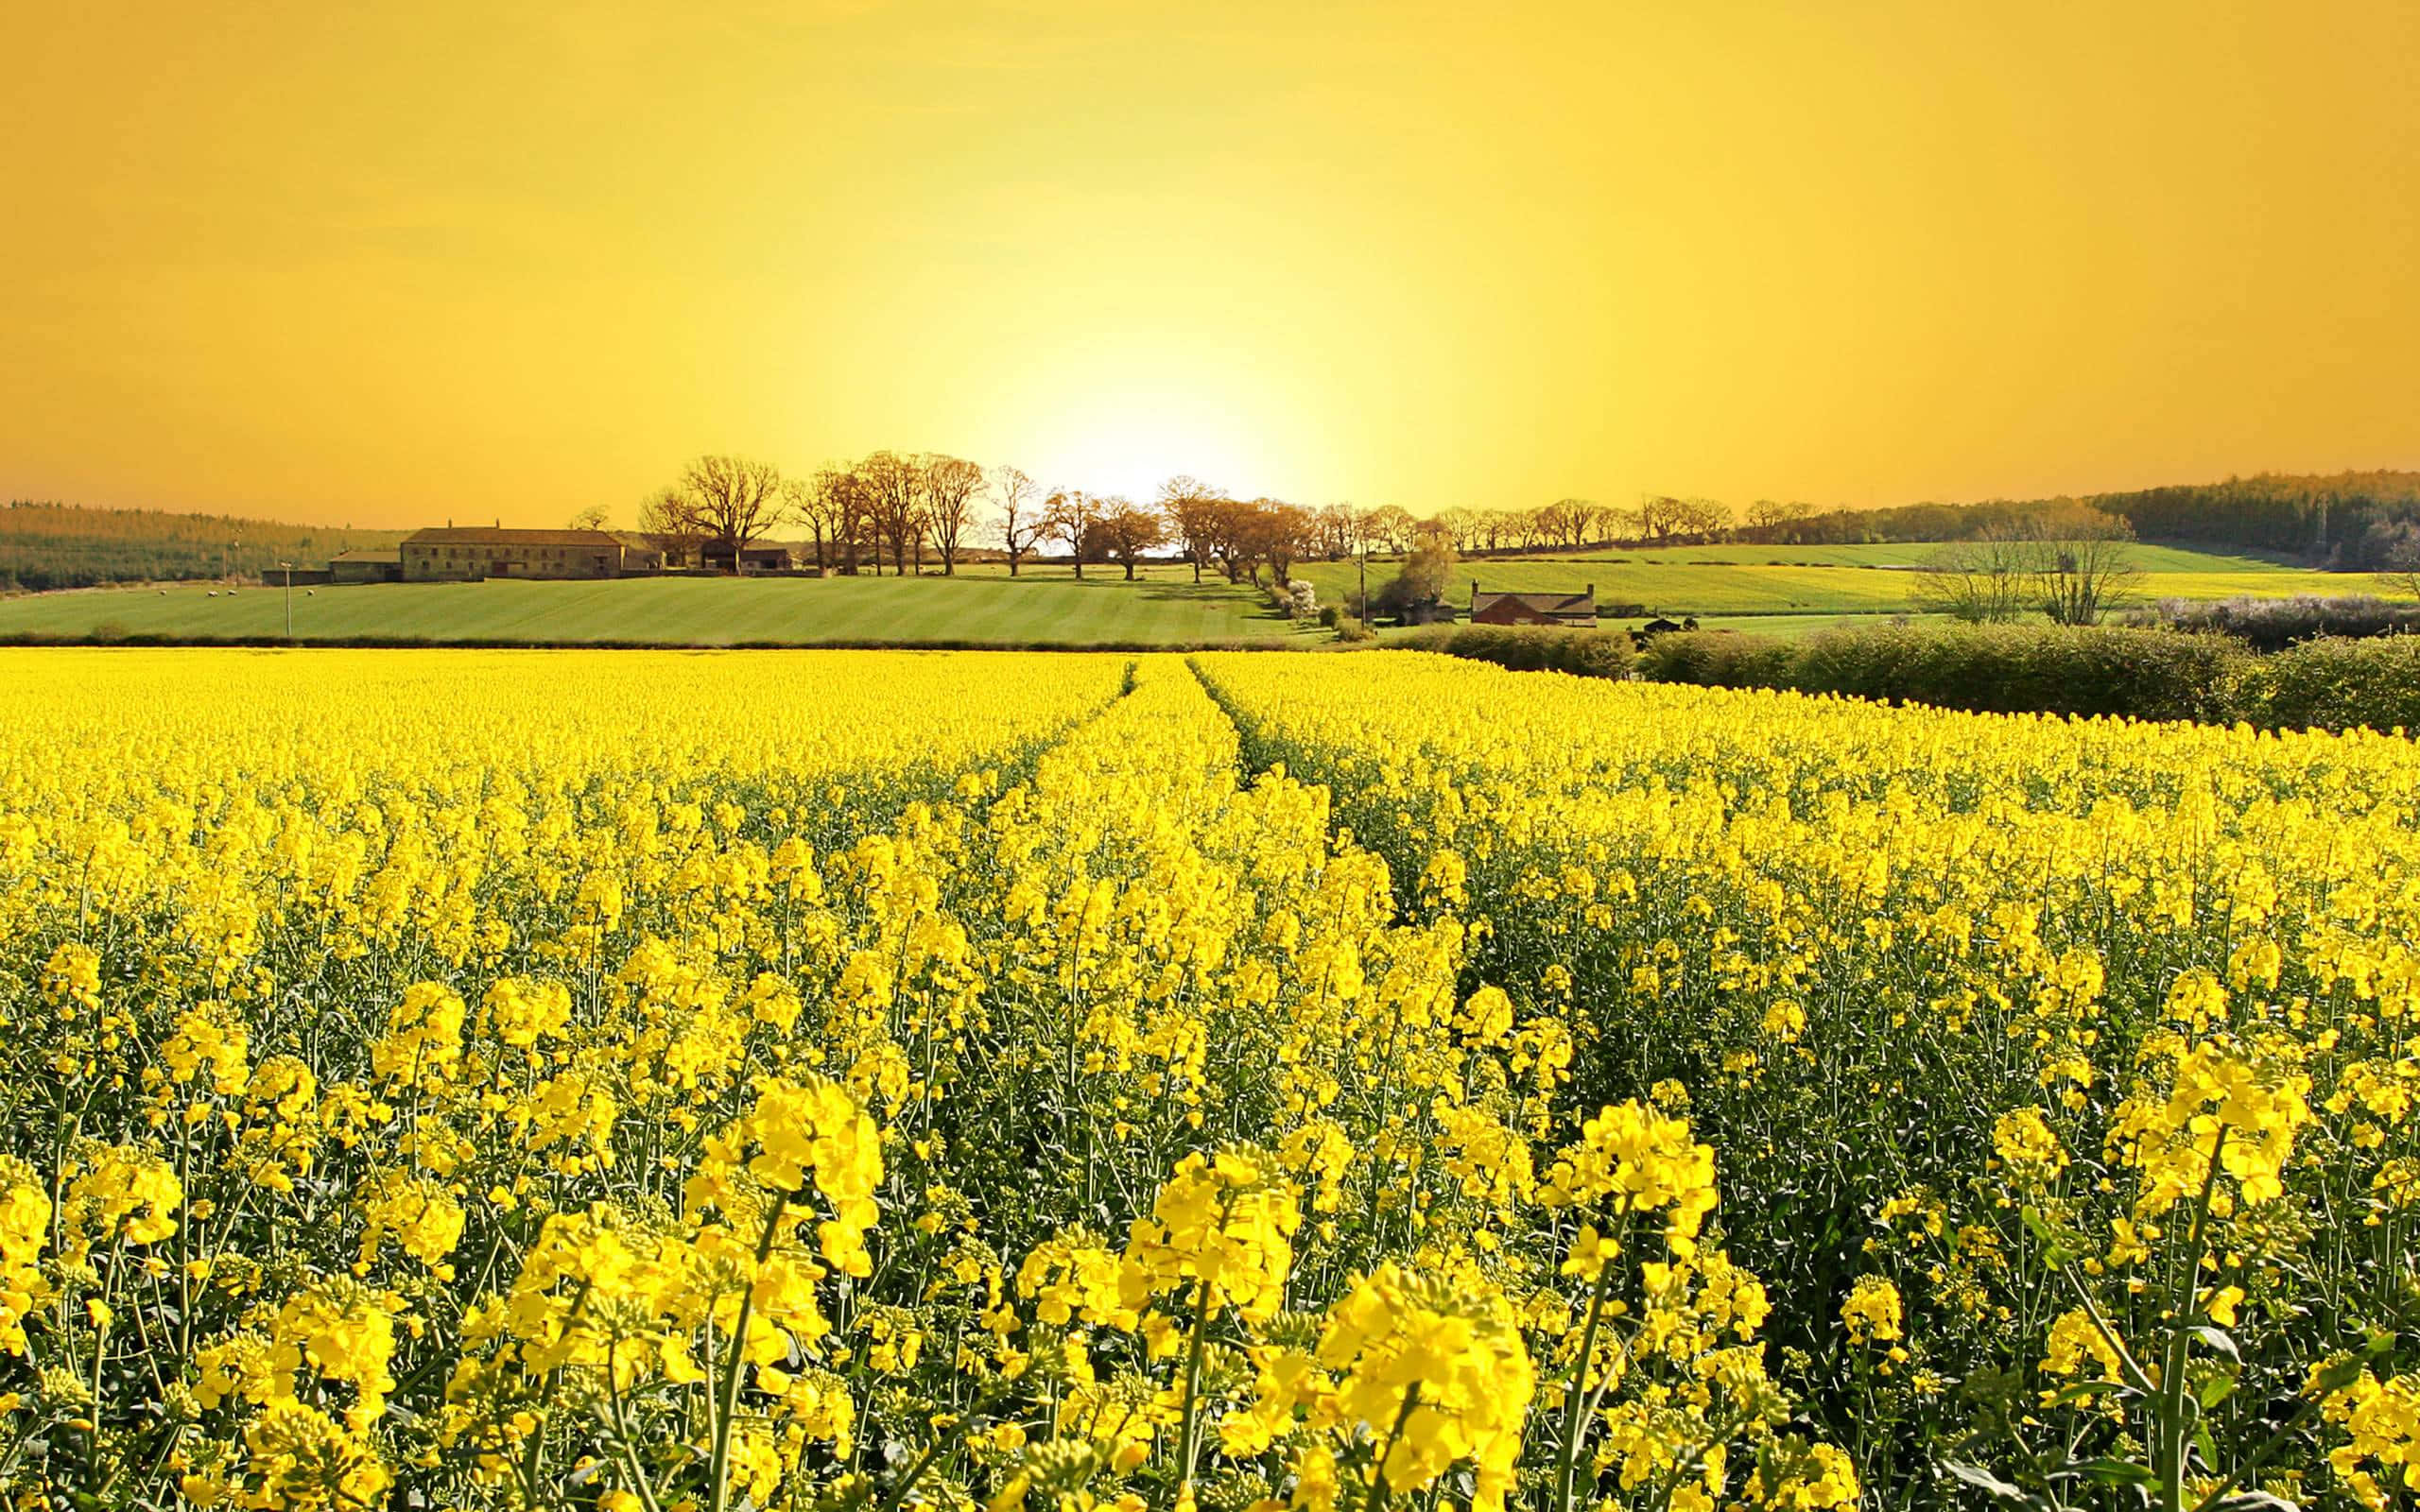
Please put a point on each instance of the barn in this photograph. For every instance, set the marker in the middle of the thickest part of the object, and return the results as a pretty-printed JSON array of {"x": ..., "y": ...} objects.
[
  {"x": 367, "y": 566},
  {"x": 481, "y": 550},
  {"x": 1579, "y": 610},
  {"x": 754, "y": 556}
]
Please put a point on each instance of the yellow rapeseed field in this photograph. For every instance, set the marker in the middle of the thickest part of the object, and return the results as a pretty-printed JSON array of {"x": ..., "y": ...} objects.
[{"x": 674, "y": 1082}]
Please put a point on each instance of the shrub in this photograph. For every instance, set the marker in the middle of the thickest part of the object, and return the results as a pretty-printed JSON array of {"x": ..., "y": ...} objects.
[
  {"x": 2339, "y": 684},
  {"x": 1532, "y": 648},
  {"x": 1718, "y": 659},
  {"x": 2145, "y": 674},
  {"x": 2274, "y": 624},
  {"x": 1354, "y": 632}
]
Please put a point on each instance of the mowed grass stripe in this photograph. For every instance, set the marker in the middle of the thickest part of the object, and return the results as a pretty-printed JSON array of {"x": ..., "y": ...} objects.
[{"x": 981, "y": 607}]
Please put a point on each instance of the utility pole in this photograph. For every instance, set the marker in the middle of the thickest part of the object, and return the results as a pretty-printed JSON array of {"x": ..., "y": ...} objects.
[{"x": 289, "y": 598}]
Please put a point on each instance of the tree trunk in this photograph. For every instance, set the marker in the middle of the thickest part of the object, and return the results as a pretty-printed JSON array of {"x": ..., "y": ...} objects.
[{"x": 1130, "y": 569}]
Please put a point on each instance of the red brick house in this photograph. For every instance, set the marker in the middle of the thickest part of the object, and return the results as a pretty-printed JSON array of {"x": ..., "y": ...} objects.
[{"x": 1534, "y": 608}]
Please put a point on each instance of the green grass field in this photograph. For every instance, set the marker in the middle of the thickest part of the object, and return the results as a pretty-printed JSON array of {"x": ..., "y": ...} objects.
[
  {"x": 980, "y": 606},
  {"x": 1772, "y": 590},
  {"x": 1734, "y": 584}
]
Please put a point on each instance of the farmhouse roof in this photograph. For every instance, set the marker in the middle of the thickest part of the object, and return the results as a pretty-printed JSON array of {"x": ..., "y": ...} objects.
[
  {"x": 370, "y": 554},
  {"x": 495, "y": 536},
  {"x": 1543, "y": 603}
]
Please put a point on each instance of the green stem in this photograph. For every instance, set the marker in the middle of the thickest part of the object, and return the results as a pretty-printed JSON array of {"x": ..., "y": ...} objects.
[
  {"x": 915, "y": 1473},
  {"x": 2173, "y": 1429},
  {"x": 1379, "y": 1490},
  {"x": 1574, "y": 1406},
  {"x": 1189, "y": 1443},
  {"x": 719, "y": 1492}
]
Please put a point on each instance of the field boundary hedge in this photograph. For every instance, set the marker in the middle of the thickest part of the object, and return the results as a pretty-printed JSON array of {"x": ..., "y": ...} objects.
[
  {"x": 104, "y": 637},
  {"x": 2083, "y": 672}
]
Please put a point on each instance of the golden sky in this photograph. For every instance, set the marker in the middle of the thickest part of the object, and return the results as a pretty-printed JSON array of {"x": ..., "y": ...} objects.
[{"x": 378, "y": 264}]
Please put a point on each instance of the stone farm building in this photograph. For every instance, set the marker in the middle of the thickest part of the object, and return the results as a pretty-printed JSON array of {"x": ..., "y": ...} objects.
[
  {"x": 1534, "y": 608},
  {"x": 756, "y": 556},
  {"x": 474, "y": 551},
  {"x": 367, "y": 565}
]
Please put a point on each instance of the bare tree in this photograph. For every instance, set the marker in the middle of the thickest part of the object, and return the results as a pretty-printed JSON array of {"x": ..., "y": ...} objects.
[
  {"x": 2402, "y": 567},
  {"x": 664, "y": 518},
  {"x": 1989, "y": 579},
  {"x": 1701, "y": 517},
  {"x": 824, "y": 504},
  {"x": 1389, "y": 527},
  {"x": 894, "y": 506},
  {"x": 2082, "y": 566},
  {"x": 1072, "y": 515},
  {"x": 1017, "y": 498},
  {"x": 852, "y": 505},
  {"x": 1464, "y": 525},
  {"x": 1128, "y": 531},
  {"x": 728, "y": 501},
  {"x": 1231, "y": 536},
  {"x": 950, "y": 484},
  {"x": 1658, "y": 515},
  {"x": 1194, "y": 511},
  {"x": 1765, "y": 513},
  {"x": 1568, "y": 521},
  {"x": 592, "y": 518},
  {"x": 1281, "y": 534},
  {"x": 1332, "y": 531}
]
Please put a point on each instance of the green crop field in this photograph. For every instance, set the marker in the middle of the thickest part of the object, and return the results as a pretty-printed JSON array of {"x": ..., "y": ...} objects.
[
  {"x": 1740, "y": 583},
  {"x": 1775, "y": 590},
  {"x": 980, "y": 606}
]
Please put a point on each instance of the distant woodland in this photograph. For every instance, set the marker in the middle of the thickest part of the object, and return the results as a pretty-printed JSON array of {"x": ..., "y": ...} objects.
[
  {"x": 67, "y": 545},
  {"x": 2355, "y": 522}
]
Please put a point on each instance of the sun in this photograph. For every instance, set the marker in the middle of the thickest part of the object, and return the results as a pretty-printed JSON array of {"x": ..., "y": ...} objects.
[{"x": 1132, "y": 443}]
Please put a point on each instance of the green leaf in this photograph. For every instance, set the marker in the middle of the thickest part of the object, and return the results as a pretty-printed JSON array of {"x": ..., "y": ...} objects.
[
  {"x": 1985, "y": 1481},
  {"x": 2114, "y": 1471},
  {"x": 2216, "y": 1339}
]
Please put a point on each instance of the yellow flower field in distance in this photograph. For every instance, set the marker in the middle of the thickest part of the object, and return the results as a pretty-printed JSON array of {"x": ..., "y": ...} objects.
[{"x": 668, "y": 1082}]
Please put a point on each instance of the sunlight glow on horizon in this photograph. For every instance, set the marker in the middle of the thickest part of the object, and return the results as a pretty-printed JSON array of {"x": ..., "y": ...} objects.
[{"x": 380, "y": 265}]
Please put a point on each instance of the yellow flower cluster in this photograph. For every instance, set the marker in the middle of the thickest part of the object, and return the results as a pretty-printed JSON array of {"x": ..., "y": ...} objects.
[
  {"x": 2024, "y": 1018},
  {"x": 660, "y": 1083},
  {"x": 1433, "y": 1375},
  {"x": 1222, "y": 1221}
]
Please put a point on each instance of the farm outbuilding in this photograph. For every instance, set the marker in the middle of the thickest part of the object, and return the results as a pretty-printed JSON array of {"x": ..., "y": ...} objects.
[
  {"x": 756, "y": 556},
  {"x": 367, "y": 566},
  {"x": 482, "y": 551},
  {"x": 1534, "y": 608}
]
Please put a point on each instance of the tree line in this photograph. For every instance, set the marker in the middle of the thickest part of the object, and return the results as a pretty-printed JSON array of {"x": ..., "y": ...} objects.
[
  {"x": 899, "y": 509},
  {"x": 2351, "y": 522},
  {"x": 46, "y": 544}
]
